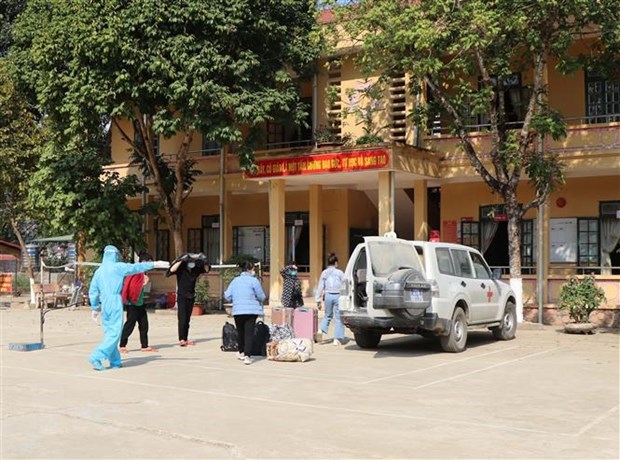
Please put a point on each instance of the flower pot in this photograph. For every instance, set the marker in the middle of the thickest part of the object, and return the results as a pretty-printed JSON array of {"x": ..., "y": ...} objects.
[
  {"x": 197, "y": 310},
  {"x": 579, "y": 328},
  {"x": 329, "y": 144}
]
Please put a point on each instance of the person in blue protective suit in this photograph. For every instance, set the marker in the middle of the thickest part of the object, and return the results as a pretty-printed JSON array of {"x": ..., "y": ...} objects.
[{"x": 105, "y": 299}]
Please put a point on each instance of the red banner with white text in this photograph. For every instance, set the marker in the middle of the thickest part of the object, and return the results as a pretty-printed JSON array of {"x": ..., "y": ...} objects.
[{"x": 320, "y": 164}]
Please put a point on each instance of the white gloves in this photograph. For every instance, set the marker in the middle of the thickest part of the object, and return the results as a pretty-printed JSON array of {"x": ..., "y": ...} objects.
[
  {"x": 94, "y": 314},
  {"x": 161, "y": 264}
]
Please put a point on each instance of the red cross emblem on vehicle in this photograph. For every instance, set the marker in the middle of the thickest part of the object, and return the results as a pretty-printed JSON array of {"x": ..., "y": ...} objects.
[{"x": 490, "y": 294}]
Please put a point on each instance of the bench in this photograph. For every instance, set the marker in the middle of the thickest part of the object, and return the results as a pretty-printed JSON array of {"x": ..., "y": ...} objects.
[{"x": 53, "y": 295}]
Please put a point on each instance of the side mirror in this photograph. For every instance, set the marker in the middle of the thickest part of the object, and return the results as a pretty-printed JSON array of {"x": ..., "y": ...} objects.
[{"x": 496, "y": 274}]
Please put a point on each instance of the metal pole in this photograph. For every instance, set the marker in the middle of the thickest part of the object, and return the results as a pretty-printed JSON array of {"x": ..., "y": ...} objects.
[
  {"x": 540, "y": 258},
  {"x": 539, "y": 264},
  {"x": 222, "y": 228},
  {"x": 392, "y": 201}
]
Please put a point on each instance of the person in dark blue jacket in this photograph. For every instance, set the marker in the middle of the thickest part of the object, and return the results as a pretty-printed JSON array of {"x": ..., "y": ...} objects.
[{"x": 247, "y": 297}]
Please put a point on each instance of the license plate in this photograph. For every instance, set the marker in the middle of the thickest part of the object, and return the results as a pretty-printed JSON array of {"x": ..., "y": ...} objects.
[{"x": 416, "y": 295}]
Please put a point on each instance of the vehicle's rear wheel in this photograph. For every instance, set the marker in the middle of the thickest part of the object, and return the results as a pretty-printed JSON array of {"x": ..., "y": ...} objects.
[
  {"x": 367, "y": 339},
  {"x": 456, "y": 340},
  {"x": 507, "y": 330}
]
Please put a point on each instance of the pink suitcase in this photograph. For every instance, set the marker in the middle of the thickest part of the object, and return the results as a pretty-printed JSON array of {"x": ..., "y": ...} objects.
[
  {"x": 282, "y": 316},
  {"x": 305, "y": 323}
]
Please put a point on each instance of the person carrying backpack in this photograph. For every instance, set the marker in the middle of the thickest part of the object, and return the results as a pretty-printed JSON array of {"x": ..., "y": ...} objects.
[
  {"x": 328, "y": 292},
  {"x": 247, "y": 298}
]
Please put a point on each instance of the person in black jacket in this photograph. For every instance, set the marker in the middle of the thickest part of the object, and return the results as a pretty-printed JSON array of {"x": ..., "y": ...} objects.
[
  {"x": 187, "y": 269},
  {"x": 292, "y": 296}
]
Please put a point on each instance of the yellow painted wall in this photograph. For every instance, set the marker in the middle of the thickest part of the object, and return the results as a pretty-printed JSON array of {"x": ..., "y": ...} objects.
[
  {"x": 120, "y": 148},
  {"x": 362, "y": 211},
  {"x": 194, "y": 208},
  {"x": 336, "y": 222},
  {"x": 582, "y": 197},
  {"x": 249, "y": 209}
]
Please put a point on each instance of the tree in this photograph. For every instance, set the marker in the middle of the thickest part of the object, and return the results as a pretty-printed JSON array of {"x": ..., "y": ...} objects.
[
  {"x": 443, "y": 43},
  {"x": 9, "y": 9},
  {"x": 76, "y": 195},
  {"x": 20, "y": 141},
  {"x": 175, "y": 67}
]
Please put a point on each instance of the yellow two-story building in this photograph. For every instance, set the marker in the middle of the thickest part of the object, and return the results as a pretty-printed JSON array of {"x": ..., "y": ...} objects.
[{"x": 307, "y": 198}]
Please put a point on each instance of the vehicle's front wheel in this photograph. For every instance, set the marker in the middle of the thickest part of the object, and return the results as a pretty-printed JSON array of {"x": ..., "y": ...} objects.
[
  {"x": 367, "y": 339},
  {"x": 507, "y": 330},
  {"x": 456, "y": 340}
]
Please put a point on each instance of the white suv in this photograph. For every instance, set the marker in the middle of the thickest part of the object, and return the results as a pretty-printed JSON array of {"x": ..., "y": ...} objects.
[{"x": 418, "y": 287}]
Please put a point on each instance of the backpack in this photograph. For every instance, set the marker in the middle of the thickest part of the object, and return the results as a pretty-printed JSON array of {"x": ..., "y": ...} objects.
[
  {"x": 229, "y": 338},
  {"x": 261, "y": 337}
]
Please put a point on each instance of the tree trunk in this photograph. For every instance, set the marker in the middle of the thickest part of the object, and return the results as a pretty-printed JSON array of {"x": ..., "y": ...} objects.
[
  {"x": 514, "y": 251},
  {"x": 29, "y": 268},
  {"x": 176, "y": 228}
]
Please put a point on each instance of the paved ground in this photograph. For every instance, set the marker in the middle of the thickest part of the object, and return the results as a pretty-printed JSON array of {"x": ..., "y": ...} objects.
[{"x": 543, "y": 395}]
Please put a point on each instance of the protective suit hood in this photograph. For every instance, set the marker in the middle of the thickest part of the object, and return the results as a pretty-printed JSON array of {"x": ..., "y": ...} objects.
[{"x": 110, "y": 255}]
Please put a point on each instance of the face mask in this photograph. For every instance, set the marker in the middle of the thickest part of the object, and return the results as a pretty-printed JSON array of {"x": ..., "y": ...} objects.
[
  {"x": 191, "y": 265},
  {"x": 293, "y": 272}
]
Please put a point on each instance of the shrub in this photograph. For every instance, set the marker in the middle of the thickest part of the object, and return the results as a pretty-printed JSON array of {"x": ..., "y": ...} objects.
[
  {"x": 580, "y": 297},
  {"x": 201, "y": 296}
]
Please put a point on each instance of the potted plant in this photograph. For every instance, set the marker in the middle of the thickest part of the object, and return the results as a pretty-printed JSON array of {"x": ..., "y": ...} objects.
[
  {"x": 201, "y": 296},
  {"x": 366, "y": 103},
  {"x": 325, "y": 137},
  {"x": 580, "y": 297}
]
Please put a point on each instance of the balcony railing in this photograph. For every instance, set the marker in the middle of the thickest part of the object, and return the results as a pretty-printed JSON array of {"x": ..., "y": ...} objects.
[
  {"x": 436, "y": 127},
  {"x": 289, "y": 145}
]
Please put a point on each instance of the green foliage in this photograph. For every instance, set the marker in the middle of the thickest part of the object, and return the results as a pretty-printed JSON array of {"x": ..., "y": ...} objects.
[
  {"x": 9, "y": 9},
  {"x": 580, "y": 297},
  {"x": 75, "y": 195},
  {"x": 326, "y": 135},
  {"x": 462, "y": 55},
  {"x": 21, "y": 138},
  {"x": 366, "y": 104},
  {"x": 180, "y": 66},
  {"x": 443, "y": 44},
  {"x": 22, "y": 283},
  {"x": 202, "y": 291},
  {"x": 369, "y": 139}
]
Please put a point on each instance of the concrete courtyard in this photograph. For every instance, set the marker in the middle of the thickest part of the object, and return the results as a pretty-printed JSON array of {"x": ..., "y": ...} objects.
[{"x": 543, "y": 395}]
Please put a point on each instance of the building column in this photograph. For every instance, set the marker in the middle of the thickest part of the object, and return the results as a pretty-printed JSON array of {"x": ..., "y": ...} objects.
[
  {"x": 316, "y": 236},
  {"x": 386, "y": 202},
  {"x": 277, "y": 238},
  {"x": 420, "y": 210}
]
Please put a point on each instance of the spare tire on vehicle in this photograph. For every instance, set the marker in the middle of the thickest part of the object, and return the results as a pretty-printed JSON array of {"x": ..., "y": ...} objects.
[{"x": 406, "y": 293}]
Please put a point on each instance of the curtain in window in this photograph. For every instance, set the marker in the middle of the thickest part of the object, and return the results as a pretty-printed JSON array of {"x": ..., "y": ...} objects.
[
  {"x": 489, "y": 228},
  {"x": 293, "y": 239},
  {"x": 513, "y": 104},
  {"x": 610, "y": 236}
]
